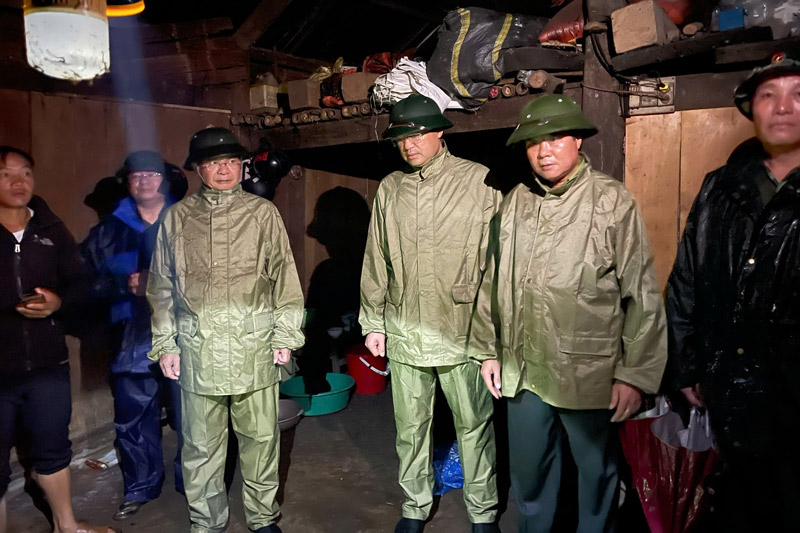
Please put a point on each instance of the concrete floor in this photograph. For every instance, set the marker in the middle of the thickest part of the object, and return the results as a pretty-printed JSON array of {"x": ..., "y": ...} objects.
[{"x": 338, "y": 475}]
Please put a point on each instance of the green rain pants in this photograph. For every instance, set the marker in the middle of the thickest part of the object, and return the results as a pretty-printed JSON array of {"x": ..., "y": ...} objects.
[
  {"x": 413, "y": 394},
  {"x": 205, "y": 443}
]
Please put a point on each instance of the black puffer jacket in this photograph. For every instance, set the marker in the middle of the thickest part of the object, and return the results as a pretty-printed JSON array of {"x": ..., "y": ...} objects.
[
  {"x": 733, "y": 303},
  {"x": 47, "y": 257}
]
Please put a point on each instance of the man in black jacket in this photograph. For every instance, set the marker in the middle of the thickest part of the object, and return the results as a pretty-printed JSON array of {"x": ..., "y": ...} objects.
[
  {"x": 41, "y": 270},
  {"x": 734, "y": 306}
]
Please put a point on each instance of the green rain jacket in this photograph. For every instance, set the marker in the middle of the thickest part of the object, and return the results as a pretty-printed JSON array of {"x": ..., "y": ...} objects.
[
  {"x": 570, "y": 300},
  {"x": 425, "y": 257},
  {"x": 224, "y": 291}
]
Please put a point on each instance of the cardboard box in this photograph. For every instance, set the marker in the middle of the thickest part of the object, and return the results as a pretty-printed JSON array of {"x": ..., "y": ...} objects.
[
  {"x": 642, "y": 24},
  {"x": 355, "y": 87},
  {"x": 263, "y": 98},
  {"x": 303, "y": 94}
]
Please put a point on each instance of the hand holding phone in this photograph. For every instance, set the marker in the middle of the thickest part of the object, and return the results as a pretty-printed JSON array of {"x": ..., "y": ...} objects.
[
  {"x": 32, "y": 297},
  {"x": 39, "y": 304}
]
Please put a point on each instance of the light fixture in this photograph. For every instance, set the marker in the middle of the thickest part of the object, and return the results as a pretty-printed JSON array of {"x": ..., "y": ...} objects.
[
  {"x": 67, "y": 39},
  {"x": 124, "y": 8}
]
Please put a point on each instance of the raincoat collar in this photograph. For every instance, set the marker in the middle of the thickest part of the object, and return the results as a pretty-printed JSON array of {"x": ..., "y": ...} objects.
[
  {"x": 433, "y": 167},
  {"x": 583, "y": 164},
  {"x": 127, "y": 212},
  {"x": 215, "y": 196}
]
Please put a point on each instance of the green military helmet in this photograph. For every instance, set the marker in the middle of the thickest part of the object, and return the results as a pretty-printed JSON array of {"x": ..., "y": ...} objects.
[
  {"x": 415, "y": 114},
  {"x": 548, "y": 114},
  {"x": 781, "y": 64},
  {"x": 210, "y": 143}
]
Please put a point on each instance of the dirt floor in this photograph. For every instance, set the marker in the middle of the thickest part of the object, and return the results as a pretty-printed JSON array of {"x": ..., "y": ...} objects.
[{"x": 338, "y": 475}]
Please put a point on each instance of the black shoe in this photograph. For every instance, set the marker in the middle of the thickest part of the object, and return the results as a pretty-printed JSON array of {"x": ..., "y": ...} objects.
[
  {"x": 127, "y": 510},
  {"x": 272, "y": 528},
  {"x": 490, "y": 527},
  {"x": 409, "y": 525}
]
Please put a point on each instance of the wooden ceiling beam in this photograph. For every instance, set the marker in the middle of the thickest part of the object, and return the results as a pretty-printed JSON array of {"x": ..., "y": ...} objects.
[
  {"x": 265, "y": 13},
  {"x": 286, "y": 60},
  {"x": 159, "y": 33}
]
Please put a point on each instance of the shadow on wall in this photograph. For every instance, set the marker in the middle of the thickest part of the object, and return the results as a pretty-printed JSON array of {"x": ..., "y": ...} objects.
[{"x": 341, "y": 221}]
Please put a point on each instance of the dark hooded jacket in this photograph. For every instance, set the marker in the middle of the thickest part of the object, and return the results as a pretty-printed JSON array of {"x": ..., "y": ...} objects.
[
  {"x": 115, "y": 249},
  {"x": 733, "y": 302},
  {"x": 47, "y": 257}
]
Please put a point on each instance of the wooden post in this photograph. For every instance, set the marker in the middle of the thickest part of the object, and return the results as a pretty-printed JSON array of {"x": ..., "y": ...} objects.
[{"x": 606, "y": 149}]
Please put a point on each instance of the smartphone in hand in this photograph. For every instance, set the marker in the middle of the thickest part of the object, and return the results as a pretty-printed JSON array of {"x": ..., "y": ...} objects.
[{"x": 32, "y": 298}]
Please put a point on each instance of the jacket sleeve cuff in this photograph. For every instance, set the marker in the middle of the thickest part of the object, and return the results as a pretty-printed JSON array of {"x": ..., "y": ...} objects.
[
  {"x": 156, "y": 353},
  {"x": 292, "y": 342},
  {"x": 637, "y": 378}
]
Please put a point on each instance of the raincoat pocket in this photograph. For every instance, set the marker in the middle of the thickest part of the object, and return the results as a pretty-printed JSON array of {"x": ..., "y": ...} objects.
[
  {"x": 259, "y": 322},
  {"x": 463, "y": 298},
  {"x": 589, "y": 346},
  {"x": 188, "y": 342}
]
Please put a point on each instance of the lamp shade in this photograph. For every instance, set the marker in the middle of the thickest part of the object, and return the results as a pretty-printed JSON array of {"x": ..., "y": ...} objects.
[
  {"x": 124, "y": 8},
  {"x": 67, "y": 39}
]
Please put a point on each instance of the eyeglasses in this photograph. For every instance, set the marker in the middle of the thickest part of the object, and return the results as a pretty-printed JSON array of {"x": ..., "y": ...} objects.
[
  {"x": 144, "y": 176},
  {"x": 215, "y": 164},
  {"x": 414, "y": 139}
]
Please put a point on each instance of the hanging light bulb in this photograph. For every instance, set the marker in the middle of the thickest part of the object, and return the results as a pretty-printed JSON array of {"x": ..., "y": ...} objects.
[
  {"x": 67, "y": 39},
  {"x": 124, "y": 8}
]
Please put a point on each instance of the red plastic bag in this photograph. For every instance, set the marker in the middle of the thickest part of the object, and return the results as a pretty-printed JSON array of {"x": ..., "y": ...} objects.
[
  {"x": 671, "y": 465},
  {"x": 566, "y": 26}
]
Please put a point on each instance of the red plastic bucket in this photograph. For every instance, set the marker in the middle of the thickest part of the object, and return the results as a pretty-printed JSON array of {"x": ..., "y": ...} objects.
[{"x": 368, "y": 371}]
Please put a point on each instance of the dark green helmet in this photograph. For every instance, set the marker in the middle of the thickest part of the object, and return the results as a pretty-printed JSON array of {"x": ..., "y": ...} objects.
[
  {"x": 781, "y": 64},
  {"x": 415, "y": 114},
  {"x": 548, "y": 114},
  {"x": 210, "y": 143}
]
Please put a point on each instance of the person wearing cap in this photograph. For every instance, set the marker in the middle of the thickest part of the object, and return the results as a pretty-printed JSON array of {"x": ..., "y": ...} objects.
[
  {"x": 113, "y": 249},
  {"x": 733, "y": 306},
  {"x": 569, "y": 322},
  {"x": 227, "y": 310},
  {"x": 423, "y": 262}
]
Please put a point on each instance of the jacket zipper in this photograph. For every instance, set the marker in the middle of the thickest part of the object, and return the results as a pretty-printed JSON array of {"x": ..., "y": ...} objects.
[{"x": 18, "y": 275}]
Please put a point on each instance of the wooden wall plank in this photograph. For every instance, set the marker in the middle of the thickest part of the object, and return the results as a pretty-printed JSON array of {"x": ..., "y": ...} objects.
[
  {"x": 708, "y": 136},
  {"x": 290, "y": 201},
  {"x": 652, "y": 174},
  {"x": 93, "y": 158},
  {"x": 52, "y": 144},
  {"x": 15, "y": 119}
]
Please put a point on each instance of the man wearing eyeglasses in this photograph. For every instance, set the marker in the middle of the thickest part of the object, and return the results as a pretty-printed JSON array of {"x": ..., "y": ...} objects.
[
  {"x": 113, "y": 250},
  {"x": 422, "y": 267},
  {"x": 227, "y": 310}
]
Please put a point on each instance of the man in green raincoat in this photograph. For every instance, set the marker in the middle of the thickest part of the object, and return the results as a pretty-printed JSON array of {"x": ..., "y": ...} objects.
[
  {"x": 571, "y": 293},
  {"x": 227, "y": 309},
  {"x": 422, "y": 267}
]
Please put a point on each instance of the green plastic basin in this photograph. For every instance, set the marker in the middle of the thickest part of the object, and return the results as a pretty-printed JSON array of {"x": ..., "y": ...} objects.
[{"x": 325, "y": 402}]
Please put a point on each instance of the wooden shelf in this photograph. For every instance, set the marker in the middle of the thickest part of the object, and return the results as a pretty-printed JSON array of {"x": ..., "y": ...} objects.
[
  {"x": 650, "y": 56},
  {"x": 494, "y": 114}
]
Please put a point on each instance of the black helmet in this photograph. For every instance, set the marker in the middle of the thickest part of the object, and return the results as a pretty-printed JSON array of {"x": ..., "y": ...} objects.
[
  {"x": 781, "y": 64},
  {"x": 415, "y": 114},
  {"x": 210, "y": 143},
  {"x": 173, "y": 181},
  {"x": 142, "y": 161}
]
